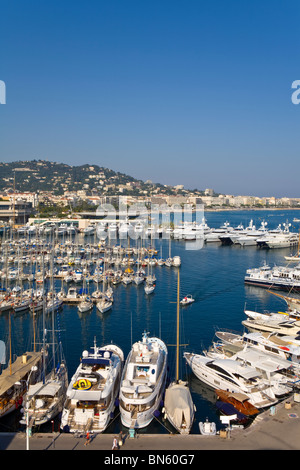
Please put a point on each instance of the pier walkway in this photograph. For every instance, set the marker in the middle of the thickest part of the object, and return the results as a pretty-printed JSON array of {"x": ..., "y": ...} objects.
[{"x": 278, "y": 431}]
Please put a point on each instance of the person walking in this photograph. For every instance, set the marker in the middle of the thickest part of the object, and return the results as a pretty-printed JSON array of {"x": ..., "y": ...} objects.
[
  {"x": 88, "y": 439},
  {"x": 115, "y": 444}
]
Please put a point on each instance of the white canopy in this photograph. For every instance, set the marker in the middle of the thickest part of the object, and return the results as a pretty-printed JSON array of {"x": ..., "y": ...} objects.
[
  {"x": 46, "y": 389},
  {"x": 179, "y": 405}
]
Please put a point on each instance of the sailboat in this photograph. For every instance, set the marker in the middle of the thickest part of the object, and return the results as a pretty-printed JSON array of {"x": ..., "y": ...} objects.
[
  {"x": 150, "y": 281},
  {"x": 105, "y": 302},
  {"x": 45, "y": 399},
  {"x": 179, "y": 407},
  {"x": 86, "y": 304}
]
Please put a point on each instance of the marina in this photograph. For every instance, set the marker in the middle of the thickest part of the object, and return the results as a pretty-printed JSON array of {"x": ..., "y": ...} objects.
[{"x": 212, "y": 275}]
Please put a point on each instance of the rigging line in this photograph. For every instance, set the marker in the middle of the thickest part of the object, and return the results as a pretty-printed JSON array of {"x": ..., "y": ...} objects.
[{"x": 170, "y": 432}]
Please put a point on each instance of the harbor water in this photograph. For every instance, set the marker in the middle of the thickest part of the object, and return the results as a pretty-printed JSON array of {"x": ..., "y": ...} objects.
[{"x": 213, "y": 275}]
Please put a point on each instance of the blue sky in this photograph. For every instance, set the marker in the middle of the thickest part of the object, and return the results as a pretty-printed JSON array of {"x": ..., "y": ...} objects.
[{"x": 180, "y": 92}]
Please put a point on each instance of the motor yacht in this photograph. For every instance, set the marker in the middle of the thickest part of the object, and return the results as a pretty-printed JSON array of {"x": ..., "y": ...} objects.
[
  {"x": 251, "y": 235},
  {"x": 278, "y": 372},
  {"x": 279, "y": 238},
  {"x": 278, "y": 277},
  {"x": 284, "y": 327},
  {"x": 226, "y": 374},
  {"x": 267, "y": 342},
  {"x": 93, "y": 390},
  {"x": 215, "y": 234},
  {"x": 143, "y": 382}
]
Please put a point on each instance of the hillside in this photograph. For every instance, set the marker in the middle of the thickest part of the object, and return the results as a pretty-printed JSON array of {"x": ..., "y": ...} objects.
[
  {"x": 59, "y": 177},
  {"x": 42, "y": 175}
]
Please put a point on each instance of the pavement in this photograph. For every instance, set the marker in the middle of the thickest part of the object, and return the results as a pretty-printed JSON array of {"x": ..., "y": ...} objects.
[{"x": 275, "y": 429}]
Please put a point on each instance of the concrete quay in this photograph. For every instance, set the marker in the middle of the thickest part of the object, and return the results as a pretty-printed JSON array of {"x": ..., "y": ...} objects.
[{"x": 270, "y": 431}]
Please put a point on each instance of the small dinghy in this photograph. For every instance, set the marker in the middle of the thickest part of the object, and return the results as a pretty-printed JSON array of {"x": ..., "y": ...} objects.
[
  {"x": 188, "y": 299},
  {"x": 207, "y": 428}
]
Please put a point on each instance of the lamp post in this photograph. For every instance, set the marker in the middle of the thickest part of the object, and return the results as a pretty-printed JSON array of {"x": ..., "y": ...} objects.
[{"x": 33, "y": 369}]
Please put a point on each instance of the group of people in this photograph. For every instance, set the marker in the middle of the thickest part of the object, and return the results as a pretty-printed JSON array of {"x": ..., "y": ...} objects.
[{"x": 116, "y": 443}]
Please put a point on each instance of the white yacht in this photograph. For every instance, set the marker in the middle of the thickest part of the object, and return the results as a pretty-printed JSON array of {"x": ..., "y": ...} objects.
[
  {"x": 267, "y": 342},
  {"x": 89, "y": 230},
  {"x": 214, "y": 234},
  {"x": 143, "y": 382},
  {"x": 284, "y": 327},
  {"x": 278, "y": 277},
  {"x": 250, "y": 237},
  {"x": 230, "y": 375},
  {"x": 278, "y": 372},
  {"x": 230, "y": 238},
  {"x": 93, "y": 390},
  {"x": 279, "y": 238}
]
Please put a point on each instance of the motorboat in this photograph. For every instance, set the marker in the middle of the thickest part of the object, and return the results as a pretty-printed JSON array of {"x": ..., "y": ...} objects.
[
  {"x": 187, "y": 300},
  {"x": 143, "y": 382},
  {"x": 240, "y": 401},
  {"x": 207, "y": 428},
  {"x": 230, "y": 375},
  {"x": 93, "y": 390}
]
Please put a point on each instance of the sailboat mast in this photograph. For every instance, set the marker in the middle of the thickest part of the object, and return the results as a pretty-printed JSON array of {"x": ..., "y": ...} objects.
[
  {"x": 177, "y": 342},
  {"x": 10, "y": 366},
  {"x": 52, "y": 310}
]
